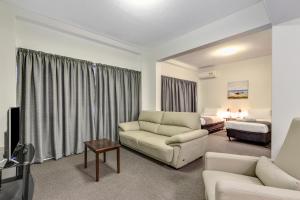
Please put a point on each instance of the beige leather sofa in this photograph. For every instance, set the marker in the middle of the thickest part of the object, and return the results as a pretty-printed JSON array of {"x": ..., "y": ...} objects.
[
  {"x": 170, "y": 137},
  {"x": 235, "y": 177}
]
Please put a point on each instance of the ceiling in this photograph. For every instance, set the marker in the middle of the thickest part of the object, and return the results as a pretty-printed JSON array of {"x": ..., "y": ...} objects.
[
  {"x": 138, "y": 25},
  {"x": 282, "y": 10},
  {"x": 251, "y": 46}
]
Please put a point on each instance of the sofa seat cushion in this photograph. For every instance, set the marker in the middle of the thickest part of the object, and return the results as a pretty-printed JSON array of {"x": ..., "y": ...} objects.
[
  {"x": 130, "y": 138},
  {"x": 154, "y": 146},
  {"x": 149, "y": 143},
  {"x": 211, "y": 178}
]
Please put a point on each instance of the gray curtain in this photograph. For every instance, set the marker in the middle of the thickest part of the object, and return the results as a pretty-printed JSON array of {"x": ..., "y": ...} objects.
[
  {"x": 59, "y": 103},
  {"x": 178, "y": 95},
  {"x": 117, "y": 98}
]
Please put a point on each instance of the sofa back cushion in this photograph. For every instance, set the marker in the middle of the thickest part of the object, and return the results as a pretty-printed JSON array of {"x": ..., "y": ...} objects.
[
  {"x": 183, "y": 119},
  {"x": 149, "y": 126},
  {"x": 151, "y": 116},
  {"x": 169, "y": 130},
  {"x": 273, "y": 176}
]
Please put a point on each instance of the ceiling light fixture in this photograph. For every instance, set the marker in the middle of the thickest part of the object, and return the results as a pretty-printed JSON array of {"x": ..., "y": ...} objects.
[
  {"x": 228, "y": 51},
  {"x": 141, "y": 3}
]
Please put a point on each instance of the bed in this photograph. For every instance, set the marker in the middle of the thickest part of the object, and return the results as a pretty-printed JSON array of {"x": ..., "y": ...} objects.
[
  {"x": 254, "y": 128},
  {"x": 211, "y": 121}
]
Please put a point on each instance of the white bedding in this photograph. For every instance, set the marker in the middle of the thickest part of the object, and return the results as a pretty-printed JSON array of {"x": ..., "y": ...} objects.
[
  {"x": 213, "y": 119},
  {"x": 248, "y": 126}
]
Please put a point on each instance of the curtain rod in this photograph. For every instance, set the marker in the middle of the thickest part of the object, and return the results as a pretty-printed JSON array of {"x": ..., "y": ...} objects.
[
  {"x": 169, "y": 77},
  {"x": 20, "y": 49}
]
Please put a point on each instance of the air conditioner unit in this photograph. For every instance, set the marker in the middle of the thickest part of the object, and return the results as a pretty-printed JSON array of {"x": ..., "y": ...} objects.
[{"x": 208, "y": 75}]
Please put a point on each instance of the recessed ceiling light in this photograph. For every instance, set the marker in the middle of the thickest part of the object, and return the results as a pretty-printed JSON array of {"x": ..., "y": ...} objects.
[{"x": 228, "y": 51}]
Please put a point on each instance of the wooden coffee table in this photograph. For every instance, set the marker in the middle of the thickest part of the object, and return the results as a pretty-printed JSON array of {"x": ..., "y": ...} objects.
[{"x": 101, "y": 146}]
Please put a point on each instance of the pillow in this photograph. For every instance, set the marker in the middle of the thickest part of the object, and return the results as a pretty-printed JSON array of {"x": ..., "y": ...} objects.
[
  {"x": 210, "y": 111},
  {"x": 259, "y": 113},
  {"x": 273, "y": 176}
]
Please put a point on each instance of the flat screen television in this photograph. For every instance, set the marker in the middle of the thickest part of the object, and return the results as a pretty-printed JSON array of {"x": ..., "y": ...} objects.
[{"x": 13, "y": 134}]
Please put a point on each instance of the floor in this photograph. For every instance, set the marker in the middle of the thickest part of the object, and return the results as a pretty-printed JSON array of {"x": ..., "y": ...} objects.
[{"x": 140, "y": 177}]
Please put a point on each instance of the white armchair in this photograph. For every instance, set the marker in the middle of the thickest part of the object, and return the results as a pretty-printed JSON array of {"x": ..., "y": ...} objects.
[{"x": 235, "y": 177}]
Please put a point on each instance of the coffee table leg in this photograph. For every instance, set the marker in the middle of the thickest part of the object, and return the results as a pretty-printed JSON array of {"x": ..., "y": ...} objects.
[
  {"x": 104, "y": 156},
  {"x": 118, "y": 160},
  {"x": 97, "y": 166},
  {"x": 85, "y": 156}
]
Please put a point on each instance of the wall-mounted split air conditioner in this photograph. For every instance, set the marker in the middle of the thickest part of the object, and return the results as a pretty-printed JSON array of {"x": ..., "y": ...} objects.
[{"x": 208, "y": 75}]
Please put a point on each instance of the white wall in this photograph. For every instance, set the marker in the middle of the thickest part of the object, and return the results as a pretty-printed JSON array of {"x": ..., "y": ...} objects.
[
  {"x": 148, "y": 83},
  {"x": 7, "y": 66},
  {"x": 171, "y": 70},
  {"x": 259, "y": 73},
  {"x": 286, "y": 80},
  {"x": 37, "y": 37}
]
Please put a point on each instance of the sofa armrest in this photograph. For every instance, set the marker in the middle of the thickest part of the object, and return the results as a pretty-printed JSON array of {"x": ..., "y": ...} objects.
[
  {"x": 231, "y": 163},
  {"x": 129, "y": 126},
  {"x": 229, "y": 190},
  {"x": 186, "y": 137}
]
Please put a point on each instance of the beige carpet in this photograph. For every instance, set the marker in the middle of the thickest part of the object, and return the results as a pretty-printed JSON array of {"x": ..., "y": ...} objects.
[{"x": 141, "y": 178}]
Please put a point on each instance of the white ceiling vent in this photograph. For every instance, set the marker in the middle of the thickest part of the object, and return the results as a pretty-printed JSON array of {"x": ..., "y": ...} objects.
[{"x": 208, "y": 75}]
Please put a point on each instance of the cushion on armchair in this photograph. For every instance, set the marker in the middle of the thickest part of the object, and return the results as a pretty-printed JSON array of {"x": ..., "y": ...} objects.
[
  {"x": 288, "y": 156},
  {"x": 273, "y": 176}
]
